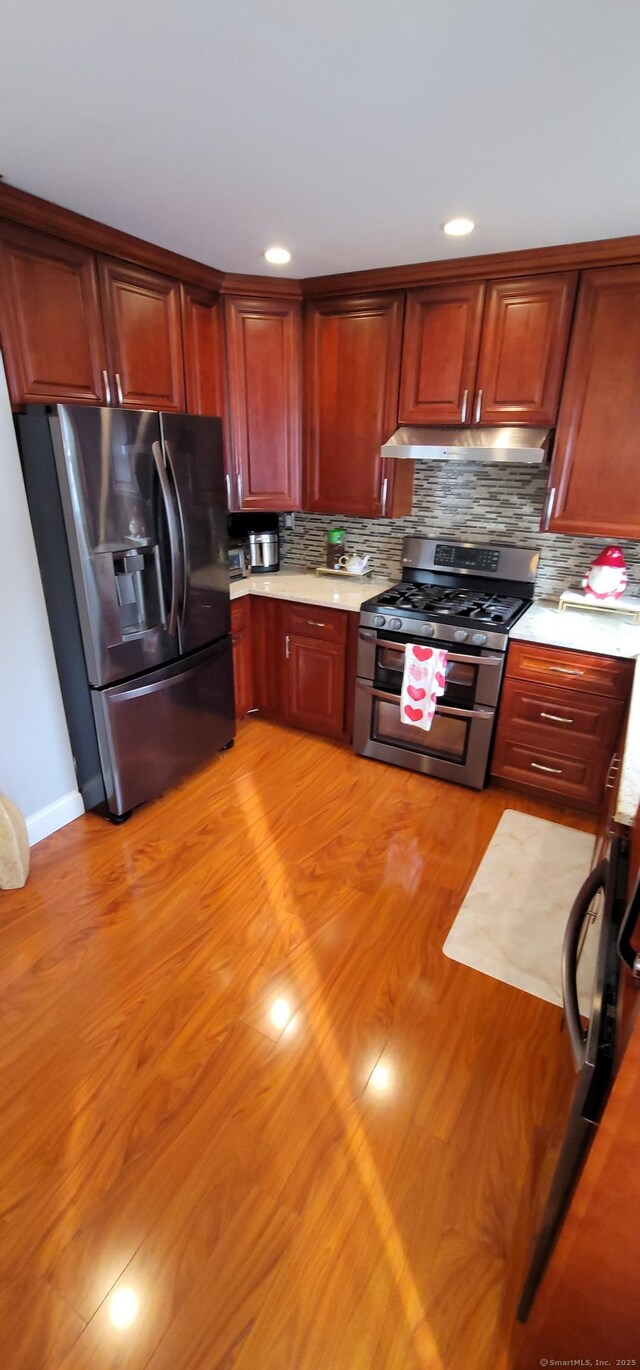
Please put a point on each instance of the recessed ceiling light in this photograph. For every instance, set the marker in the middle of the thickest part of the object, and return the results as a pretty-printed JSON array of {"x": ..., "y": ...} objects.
[
  {"x": 456, "y": 228},
  {"x": 278, "y": 256}
]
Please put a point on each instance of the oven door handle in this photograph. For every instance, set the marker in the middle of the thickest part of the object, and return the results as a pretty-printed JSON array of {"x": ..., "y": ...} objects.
[
  {"x": 440, "y": 708},
  {"x": 595, "y": 881},
  {"x": 451, "y": 656}
]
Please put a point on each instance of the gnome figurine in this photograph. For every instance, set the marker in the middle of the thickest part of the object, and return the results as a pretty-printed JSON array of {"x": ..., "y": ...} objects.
[{"x": 607, "y": 575}]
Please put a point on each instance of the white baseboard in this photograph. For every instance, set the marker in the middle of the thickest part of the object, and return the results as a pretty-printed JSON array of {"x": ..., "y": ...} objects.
[{"x": 54, "y": 816}]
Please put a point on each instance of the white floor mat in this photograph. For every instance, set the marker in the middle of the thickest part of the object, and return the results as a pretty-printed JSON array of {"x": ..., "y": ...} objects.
[{"x": 512, "y": 922}]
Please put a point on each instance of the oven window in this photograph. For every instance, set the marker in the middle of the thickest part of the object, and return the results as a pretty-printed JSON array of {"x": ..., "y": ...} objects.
[
  {"x": 447, "y": 737},
  {"x": 461, "y": 677}
]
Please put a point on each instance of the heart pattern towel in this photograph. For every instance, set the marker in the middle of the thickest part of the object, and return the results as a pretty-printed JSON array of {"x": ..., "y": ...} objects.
[{"x": 423, "y": 681}]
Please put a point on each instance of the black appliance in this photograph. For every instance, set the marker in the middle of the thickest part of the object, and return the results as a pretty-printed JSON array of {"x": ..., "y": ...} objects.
[
  {"x": 129, "y": 515},
  {"x": 598, "y": 909},
  {"x": 465, "y": 596}
]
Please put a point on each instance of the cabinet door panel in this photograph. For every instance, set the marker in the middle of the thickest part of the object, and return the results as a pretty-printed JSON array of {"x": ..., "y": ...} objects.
[
  {"x": 52, "y": 334},
  {"x": 264, "y": 359},
  {"x": 315, "y": 686},
  {"x": 144, "y": 336},
  {"x": 596, "y": 463},
  {"x": 203, "y": 352},
  {"x": 241, "y": 640},
  {"x": 524, "y": 342},
  {"x": 352, "y": 358},
  {"x": 440, "y": 353}
]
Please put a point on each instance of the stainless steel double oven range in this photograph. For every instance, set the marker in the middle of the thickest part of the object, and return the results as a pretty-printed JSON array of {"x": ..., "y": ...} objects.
[{"x": 465, "y": 597}]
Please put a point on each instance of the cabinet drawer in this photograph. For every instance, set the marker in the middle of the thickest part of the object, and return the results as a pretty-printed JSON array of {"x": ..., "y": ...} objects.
[
  {"x": 307, "y": 620},
  {"x": 578, "y": 780},
  {"x": 239, "y": 615},
  {"x": 603, "y": 675},
  {"x": 561, "y": 720}
]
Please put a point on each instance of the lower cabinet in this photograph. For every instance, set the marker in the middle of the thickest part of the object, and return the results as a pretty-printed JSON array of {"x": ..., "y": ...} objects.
[
  {"x": 241, "y": 638},
  {"x": 560, "y": 716},
  {"x": 304, "y": 665}
]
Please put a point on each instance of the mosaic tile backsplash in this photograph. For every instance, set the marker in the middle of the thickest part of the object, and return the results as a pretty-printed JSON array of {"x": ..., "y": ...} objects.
[{"x": 490, "y": 503}]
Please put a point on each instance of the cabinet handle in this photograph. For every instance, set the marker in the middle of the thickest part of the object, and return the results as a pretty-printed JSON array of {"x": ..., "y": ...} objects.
[
  {"x": 551, "y": 770},
  {"x": 556, "y": 718},
  {"x": 315, "y": 623},
  {"x": 463, "y": 411},
  {"x": 549, "y": 509},
  {"x": 239, "y": 489},
  {"x": 383, "y": 495},
  {"x": 478, "y": 406},
  {"x": 566, "y": 670},
  {"x": 107, "y": 387},
  {"x": 287, "y": 646},
  {"x": 227, "y": 481},
  {"x": 119, "y": 388}
]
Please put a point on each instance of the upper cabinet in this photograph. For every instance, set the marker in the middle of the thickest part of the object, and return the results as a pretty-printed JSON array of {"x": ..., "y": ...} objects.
[
  {"x": 352, "y": 372},
  {"x": 203, "y": 338},
  {"x": 525, "y": 332},
  {"x": 264, "y": 370},
  {"x": 52, "y": 335},
  {"x": 144, "y": 336},
  {"x": 594, "y": 485},
  {"x": 486, "y": 354},
  {"x": 440, "y": 353}
]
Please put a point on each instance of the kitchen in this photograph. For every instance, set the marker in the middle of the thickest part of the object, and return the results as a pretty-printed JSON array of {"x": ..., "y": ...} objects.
[{"x": 269, "y": 1119}]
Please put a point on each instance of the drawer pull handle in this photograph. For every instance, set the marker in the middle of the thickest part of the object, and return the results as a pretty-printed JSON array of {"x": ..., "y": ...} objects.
[
  {"x": 566, "y": 670},
  {"x": 551, "y": 770},
  {"x": 612, "y": 773},
  {"x": 556, "y": 718},
  {"x": 315, "y": 623}
]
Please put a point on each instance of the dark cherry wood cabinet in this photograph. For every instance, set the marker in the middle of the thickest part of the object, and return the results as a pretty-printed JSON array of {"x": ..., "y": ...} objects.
[
  {"x": 203, "y": 339},
  {"x": 440, "y": 353},
  {"x": 486, "y": 353},
  {"x": 141, "y": 312},
  {"x": 264, "y": 368},
  {"x": 50, "y": 321},
  {"x": 241, "y": 640},
  {"x": 525, "y": 333},
  {"x": 561, "y": 712},
  {"x": 352, "y": 374},
  {"x": 594, "y": 485},
  {"x": 304, "y": 665}
]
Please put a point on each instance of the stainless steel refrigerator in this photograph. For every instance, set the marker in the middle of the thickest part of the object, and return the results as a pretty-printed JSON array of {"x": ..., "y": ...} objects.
[{"x": 129, "y": 515}]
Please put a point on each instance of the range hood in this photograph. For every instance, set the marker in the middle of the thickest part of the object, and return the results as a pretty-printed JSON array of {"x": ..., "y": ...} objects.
[{"x": 518, "y": 446}]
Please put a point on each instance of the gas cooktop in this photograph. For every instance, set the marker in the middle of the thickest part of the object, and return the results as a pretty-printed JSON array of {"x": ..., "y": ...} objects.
[{"x": 460, "y": 605}]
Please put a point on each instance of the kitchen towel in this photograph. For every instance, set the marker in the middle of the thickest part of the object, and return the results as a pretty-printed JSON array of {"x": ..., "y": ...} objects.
[{"x": 423, "y": 681}]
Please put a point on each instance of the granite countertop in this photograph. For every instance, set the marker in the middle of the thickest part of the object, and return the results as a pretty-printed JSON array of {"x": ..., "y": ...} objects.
[
  {"x": 307, "y": 588},
  {"x": 606, "y": 634}
]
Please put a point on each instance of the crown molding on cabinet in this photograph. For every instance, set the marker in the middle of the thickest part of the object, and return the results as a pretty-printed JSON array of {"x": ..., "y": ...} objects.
[
  {"x": 524, "y": 261},
  {"x": 284, "y": 287},
  {"x": 22, "y": 208}
]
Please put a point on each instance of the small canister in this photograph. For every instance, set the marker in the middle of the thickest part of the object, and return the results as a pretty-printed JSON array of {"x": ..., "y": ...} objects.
[{"x": 336, "y": 547}]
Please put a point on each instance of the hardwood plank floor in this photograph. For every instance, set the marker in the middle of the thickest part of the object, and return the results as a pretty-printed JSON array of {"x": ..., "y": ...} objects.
[{"x": 191, "y": 1008}]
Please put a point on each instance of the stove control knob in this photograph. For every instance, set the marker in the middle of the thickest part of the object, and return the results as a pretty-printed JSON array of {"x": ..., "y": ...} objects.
[
  {"x": 426, "y": 629},
  {"x": 378, "y": 621},
  {"x": 460, "y": 635},
  {"x": 479, "y": 639},
  {"x": 395, "y": 623}
]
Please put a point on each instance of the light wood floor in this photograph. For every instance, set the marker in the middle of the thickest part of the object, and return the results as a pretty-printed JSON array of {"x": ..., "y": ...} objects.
[{"x": 267, "y": 1206}]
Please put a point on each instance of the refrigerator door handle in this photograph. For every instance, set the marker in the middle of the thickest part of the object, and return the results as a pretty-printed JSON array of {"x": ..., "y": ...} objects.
[
  {"x": 182, "y": 533},
  {"x": 175, "y": 552},
  {"x": 595, "y": 881}
]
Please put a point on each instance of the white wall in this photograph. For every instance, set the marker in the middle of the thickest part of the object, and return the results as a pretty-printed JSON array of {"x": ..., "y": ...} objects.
[{"x": 36, "y": 765}]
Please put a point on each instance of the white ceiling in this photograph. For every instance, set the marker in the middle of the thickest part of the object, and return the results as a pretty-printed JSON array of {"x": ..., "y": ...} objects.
[{"x": 346, "y": 129}]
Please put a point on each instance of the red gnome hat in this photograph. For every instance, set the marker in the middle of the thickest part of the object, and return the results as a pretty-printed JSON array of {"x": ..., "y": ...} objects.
[{"x": 607, "y": 575}]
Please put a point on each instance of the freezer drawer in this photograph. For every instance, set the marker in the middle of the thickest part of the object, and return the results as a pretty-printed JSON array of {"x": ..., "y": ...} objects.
[{"x": 153, "y": 730}]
